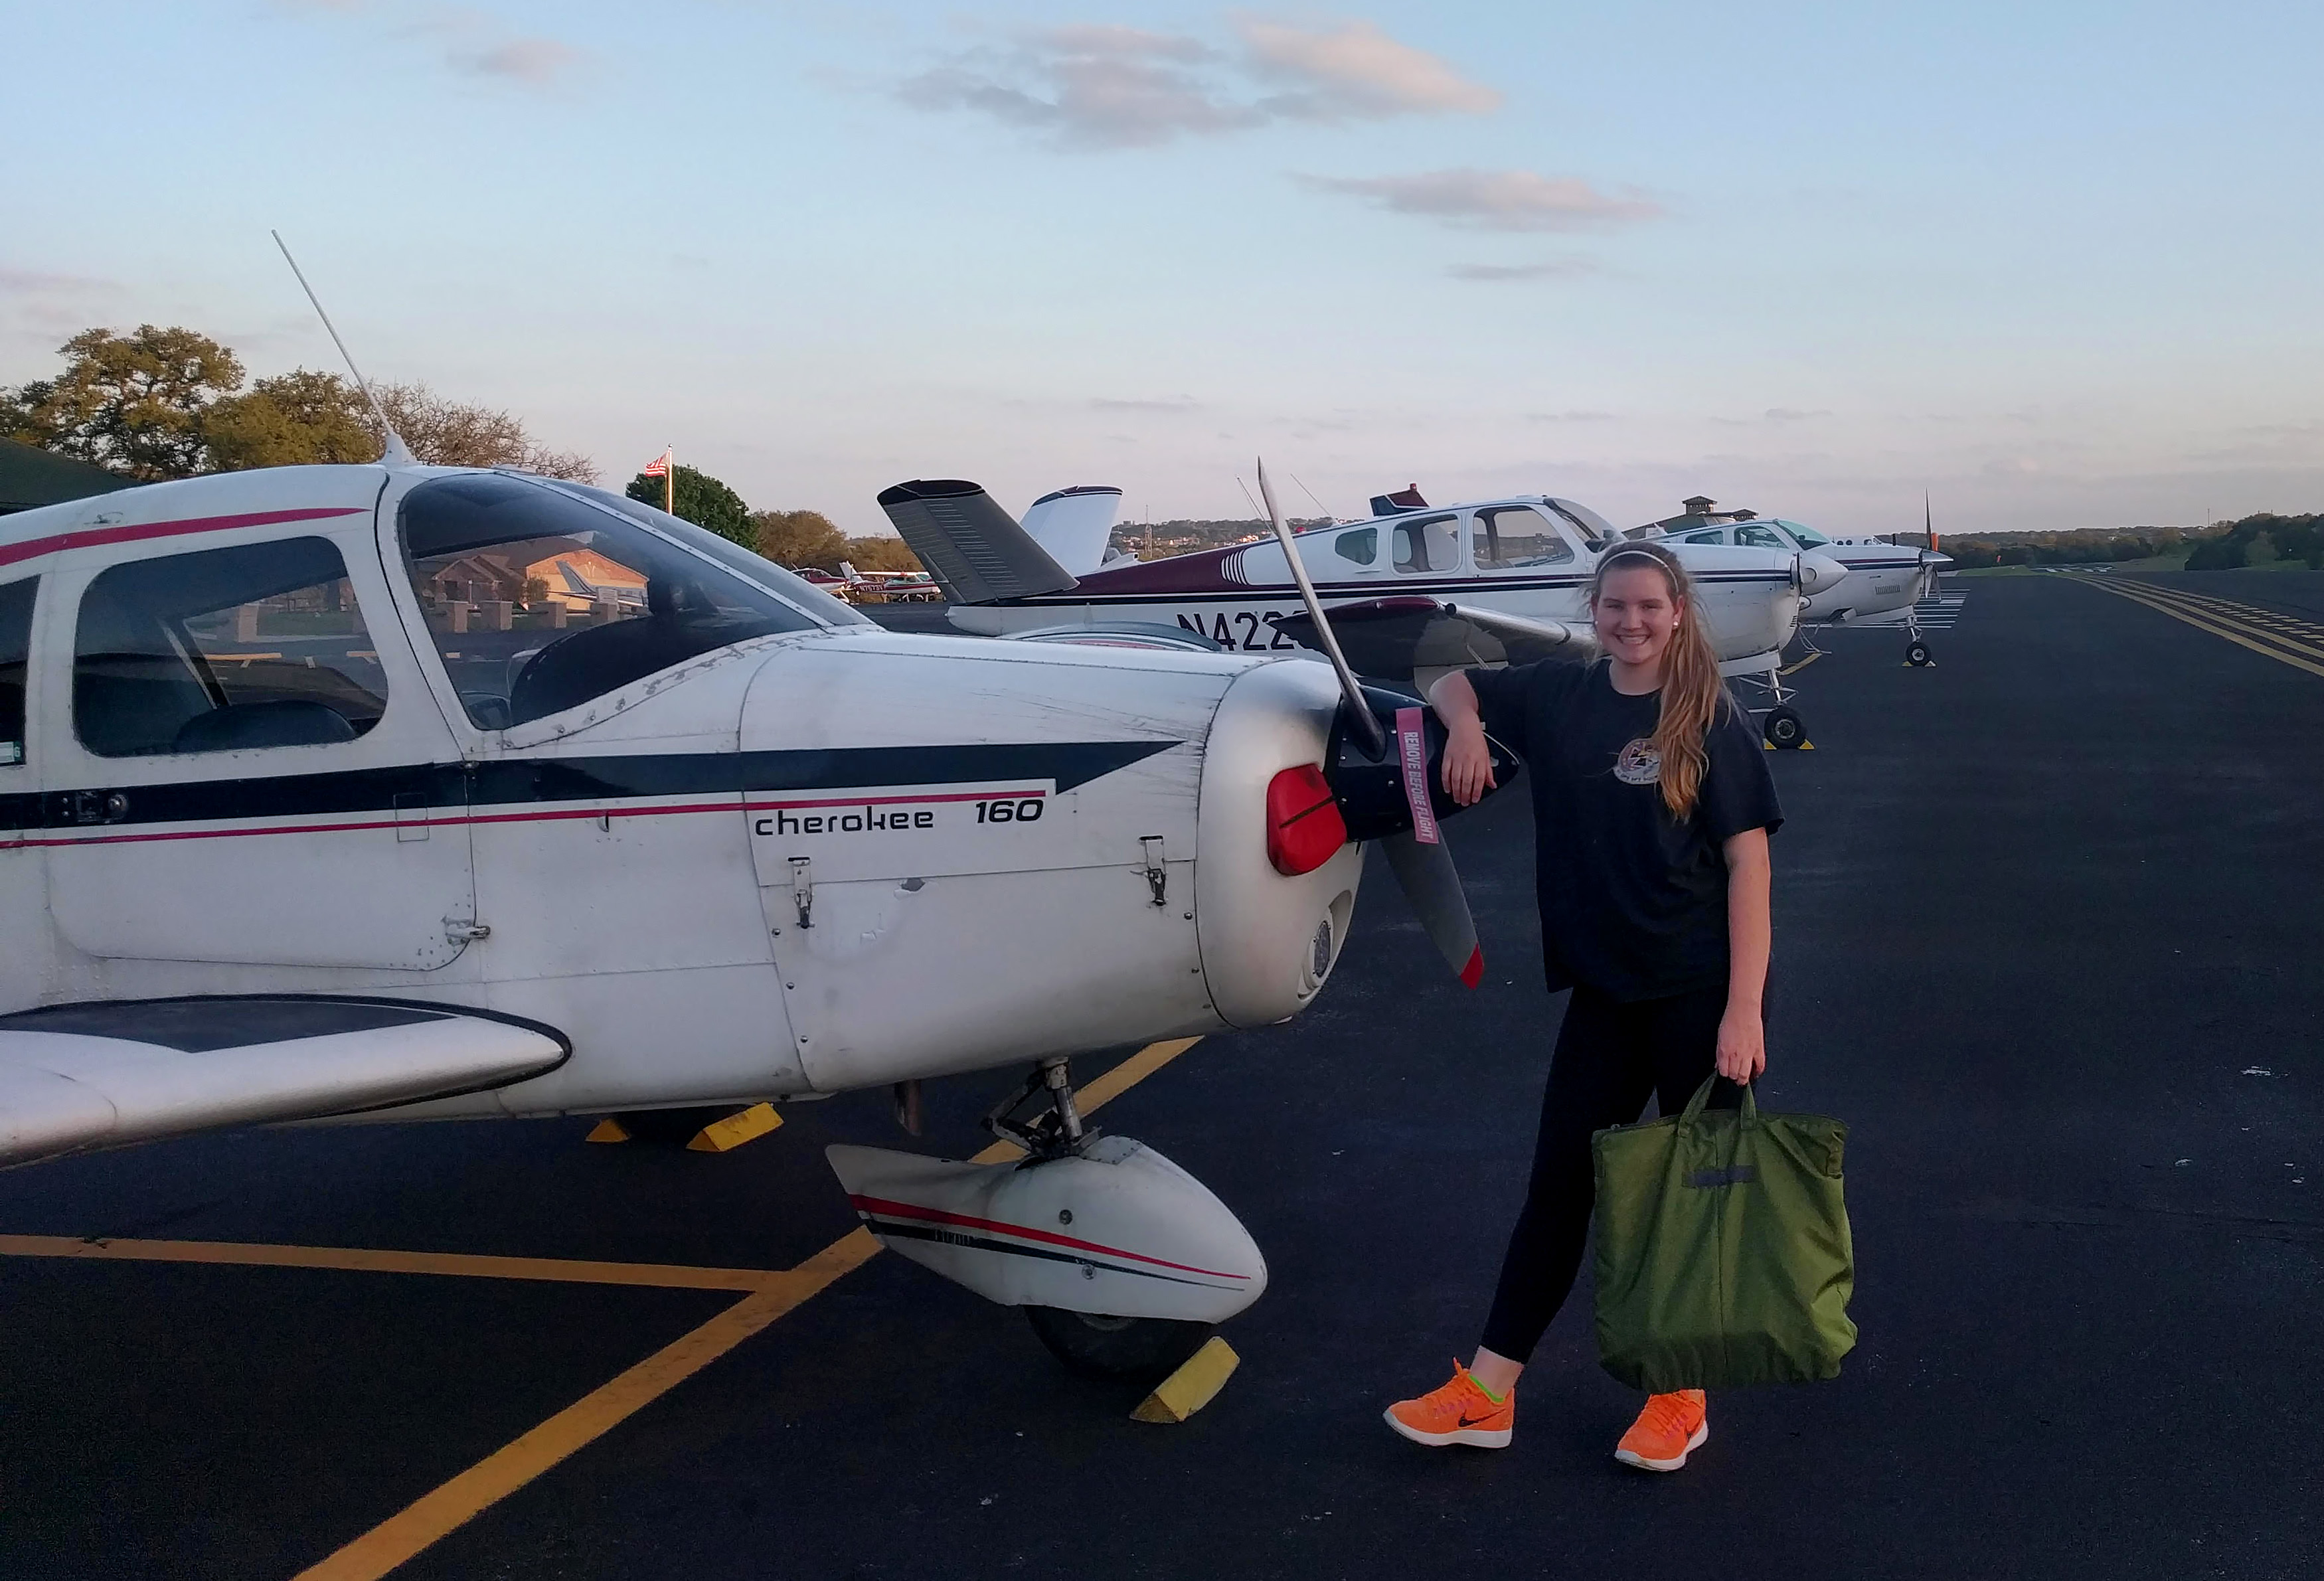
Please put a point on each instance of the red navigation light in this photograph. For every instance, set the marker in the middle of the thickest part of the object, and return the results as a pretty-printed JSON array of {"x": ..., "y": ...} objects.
[{"x": 1303, "y": 827}]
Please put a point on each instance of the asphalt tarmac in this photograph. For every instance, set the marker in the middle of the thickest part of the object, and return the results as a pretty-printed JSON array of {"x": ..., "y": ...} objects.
[{"x": 2046, "y": 937}]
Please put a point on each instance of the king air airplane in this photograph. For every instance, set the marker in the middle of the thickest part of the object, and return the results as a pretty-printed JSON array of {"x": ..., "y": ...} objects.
[
  {"x": 1413, "y": 591},
  {"x": 400, "y": 792},
  {"x": 1883, "y": 579}
]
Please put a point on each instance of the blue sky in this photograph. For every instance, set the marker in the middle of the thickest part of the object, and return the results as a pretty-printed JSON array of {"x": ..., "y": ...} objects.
[{"x": 2054, "y": 263}]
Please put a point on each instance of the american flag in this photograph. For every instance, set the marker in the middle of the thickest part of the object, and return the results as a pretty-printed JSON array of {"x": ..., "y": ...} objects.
[{"x": 659, "y": 465}]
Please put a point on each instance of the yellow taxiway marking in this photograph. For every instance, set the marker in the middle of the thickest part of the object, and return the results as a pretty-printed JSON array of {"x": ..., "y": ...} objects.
[
  {"x": 439, "y": 1513},
  {"x": 2213, "y": 616},
  {"x": 358, "y": 1259}
]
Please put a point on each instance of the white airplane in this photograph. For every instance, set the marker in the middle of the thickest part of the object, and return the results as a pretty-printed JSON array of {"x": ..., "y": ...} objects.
[
  {"x": 1882, "y": 580},
  {"x": 1412, "y": 590},
  {"x": 315, "y": 806}
]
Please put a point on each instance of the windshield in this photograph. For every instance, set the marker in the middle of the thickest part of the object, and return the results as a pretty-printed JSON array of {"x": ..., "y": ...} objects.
[
  {"x": 1594, "y": 527},
  {"x": 1807, "y": 537},
  {"x": 540, "y": 597}
]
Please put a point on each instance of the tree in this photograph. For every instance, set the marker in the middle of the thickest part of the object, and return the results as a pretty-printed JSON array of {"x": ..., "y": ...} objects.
[
  {"x": 448, "y": 433},
  {"x": 132, "y": 403},
  {"x": 882, "y": 552},
  {"x": 297, "y": 419},
  {"x": 703, "y": 500},
  {"x": 799, "y": 539}
]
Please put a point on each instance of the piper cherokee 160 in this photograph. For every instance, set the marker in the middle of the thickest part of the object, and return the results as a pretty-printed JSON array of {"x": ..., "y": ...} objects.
[{"x": 398, "y": 792}]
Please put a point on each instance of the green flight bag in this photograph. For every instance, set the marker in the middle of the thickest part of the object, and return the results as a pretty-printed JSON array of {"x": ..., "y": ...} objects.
[{"x": 1723, "y": 1253}]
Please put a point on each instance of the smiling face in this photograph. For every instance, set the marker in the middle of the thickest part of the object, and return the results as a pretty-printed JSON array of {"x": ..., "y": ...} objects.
[{"x": 1635, "y": 613}]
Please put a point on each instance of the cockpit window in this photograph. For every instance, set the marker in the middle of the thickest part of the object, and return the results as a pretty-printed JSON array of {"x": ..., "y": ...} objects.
[
  {"x": 1805, "y": 537},
  {"x": 1753, "y": 536},
  {"x": 1428, "y": 544},
  {"x": 1709, "y": 535},
  {"x": 1361, "y": 545},
  {"x": 15, "y": 650},
  {"x": 541, "y": 596},
  {"x": 1593, "y": 526}
]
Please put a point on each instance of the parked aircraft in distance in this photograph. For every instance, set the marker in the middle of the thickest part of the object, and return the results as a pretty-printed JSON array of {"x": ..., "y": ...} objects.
[
  {"x": 1414, "y": 588},
  {"x": 321, "y": 799},
  {"x": 1883, "y": 579}
]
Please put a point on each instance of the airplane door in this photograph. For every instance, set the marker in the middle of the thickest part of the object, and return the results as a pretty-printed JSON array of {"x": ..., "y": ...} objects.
[{"x": 242, "y": 761}]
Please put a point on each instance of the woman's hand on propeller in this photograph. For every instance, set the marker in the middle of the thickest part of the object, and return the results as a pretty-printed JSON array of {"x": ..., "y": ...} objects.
[{"x": 1468, "y": 762}]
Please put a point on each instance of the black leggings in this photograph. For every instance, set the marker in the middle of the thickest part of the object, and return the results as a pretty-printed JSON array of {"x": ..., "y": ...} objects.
[{"x": 1610, "y": 1056}]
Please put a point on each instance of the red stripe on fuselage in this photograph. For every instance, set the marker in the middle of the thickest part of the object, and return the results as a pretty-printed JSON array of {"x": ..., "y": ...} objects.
[
  {"x": 92, "y": 537},
  {"x": 937, "y": 1215}
]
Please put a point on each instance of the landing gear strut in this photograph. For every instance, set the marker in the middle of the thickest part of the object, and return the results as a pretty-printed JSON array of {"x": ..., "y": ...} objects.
[{"x": 1048, "y": 1136}]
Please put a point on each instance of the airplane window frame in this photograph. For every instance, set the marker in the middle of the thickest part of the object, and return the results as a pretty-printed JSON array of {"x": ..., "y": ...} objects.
[
  {"x": 1767, "y": 537},
  {"x": 1370, "y": 537},
  {"x": 1414, "y": 529},
  {"x": 144, "y": 608},
  {"x": 16, "y": 654},
  {"x": 1714, "y": 535},
  {"x": 1805, "y": 537},
  {"x": 1485, "y": 529}
]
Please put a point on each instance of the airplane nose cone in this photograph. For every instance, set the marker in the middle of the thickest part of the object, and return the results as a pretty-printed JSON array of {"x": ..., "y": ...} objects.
[{"x": 1820, "y": 573}]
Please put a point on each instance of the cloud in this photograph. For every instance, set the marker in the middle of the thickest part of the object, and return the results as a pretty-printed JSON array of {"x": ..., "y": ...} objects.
[
  {"x": 1572, "y": 267},
  {"x": 1100, "y": 86},
  {"x": 34, "y": 283},
  {"x": 1569, "y": 417},
  {"x": 536, "y": 63},
  {"x": 1794, "y": 414},
  {"x": 1503, "y": 200},
  {"x": 1087, "y": 88},
  {"x": 1355, "y": 71},
  {"x": 1180, "y": 403}
]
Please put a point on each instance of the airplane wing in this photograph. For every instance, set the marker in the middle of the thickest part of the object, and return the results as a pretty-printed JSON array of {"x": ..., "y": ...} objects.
[
  {"x": 105, "y": 1073},
  {"x": 1391, "y": 638}
]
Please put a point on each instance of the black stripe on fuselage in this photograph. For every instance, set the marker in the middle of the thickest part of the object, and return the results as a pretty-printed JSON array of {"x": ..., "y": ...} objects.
[{"x": 518, "y": 782}]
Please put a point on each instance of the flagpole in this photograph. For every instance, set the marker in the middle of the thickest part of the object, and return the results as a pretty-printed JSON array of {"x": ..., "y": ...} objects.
[{"x": 670, "y": 480}]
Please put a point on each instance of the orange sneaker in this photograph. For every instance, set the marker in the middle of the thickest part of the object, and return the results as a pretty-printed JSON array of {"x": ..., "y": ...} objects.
[
  {"x": 1671, "y": 1428},
  {"x": 1461, "y": 1412}
]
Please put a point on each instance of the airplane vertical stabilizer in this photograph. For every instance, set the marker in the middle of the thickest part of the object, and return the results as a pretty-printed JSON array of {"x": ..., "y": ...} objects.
[
  {"x": 1074, "y": 524},
  {"x": 974, "y": 549}
]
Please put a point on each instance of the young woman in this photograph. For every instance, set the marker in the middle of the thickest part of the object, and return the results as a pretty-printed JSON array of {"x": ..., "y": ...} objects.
[{"x": 1652, "y": 808}]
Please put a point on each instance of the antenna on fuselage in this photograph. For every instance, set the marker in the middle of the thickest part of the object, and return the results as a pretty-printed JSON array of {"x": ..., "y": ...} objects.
[{"x": 393, "y": 452}]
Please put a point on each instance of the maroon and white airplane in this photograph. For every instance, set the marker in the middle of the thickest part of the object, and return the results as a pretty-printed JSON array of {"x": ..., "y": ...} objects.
[{"x": 1412, "y": 590}]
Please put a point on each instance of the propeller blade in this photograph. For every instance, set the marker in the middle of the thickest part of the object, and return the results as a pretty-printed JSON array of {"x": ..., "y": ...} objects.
[
  {"x": 1430, "y": 881},
  {"x": 1357, "y": 712}
]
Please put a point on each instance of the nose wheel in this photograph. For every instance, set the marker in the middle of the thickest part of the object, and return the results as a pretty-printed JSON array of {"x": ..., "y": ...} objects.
[
  {"x": 1092, "y": 1345},
  {"x": 1917, "y": 655},
  {"x": 1784, "y": 730}
]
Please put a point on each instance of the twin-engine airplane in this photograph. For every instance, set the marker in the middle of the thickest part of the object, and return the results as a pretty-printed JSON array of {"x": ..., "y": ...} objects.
[
  {"x": 400, "y": 792},
  {"x": 1413, "y": 591},
  {"x": 1883, "y": 579}
]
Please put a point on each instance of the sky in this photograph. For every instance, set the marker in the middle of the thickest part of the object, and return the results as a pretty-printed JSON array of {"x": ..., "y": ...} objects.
[{"x": 2055, "y": 264}]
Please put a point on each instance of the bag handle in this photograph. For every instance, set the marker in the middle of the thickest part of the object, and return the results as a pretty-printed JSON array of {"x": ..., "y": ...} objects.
[{"x": 1695, "y": 1104}]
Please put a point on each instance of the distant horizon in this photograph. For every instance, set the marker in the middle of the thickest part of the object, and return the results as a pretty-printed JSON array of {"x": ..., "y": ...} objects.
[{"x": 2047, "y": 264}]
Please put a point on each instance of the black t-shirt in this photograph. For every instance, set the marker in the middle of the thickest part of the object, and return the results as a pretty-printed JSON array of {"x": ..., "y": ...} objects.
[{"x": 1633, "y": 901}]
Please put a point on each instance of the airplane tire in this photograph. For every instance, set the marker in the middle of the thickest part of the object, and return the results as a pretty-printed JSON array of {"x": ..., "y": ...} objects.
[
  {"x": 1916, "y": 654},
  {"x": 1138, "y": 1349},
  {"x": 1784, "y": 730}
]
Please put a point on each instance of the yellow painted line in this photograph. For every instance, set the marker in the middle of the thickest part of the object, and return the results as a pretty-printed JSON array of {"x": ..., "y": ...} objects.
[
  {"x": 505, "y": 1470},
  {"x": 436, "y": 1514},
  {"x": 2258, "y": 641},
  {"x": 359, "y": 1260}
]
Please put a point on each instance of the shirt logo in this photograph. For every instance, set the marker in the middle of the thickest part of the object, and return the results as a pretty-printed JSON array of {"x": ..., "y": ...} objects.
[{"x": 1639, "y": 764}]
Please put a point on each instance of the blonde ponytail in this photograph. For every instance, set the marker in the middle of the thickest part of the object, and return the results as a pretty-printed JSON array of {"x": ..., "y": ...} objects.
[{"x": 1691, "y": 690}]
